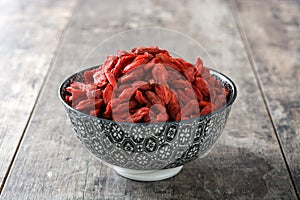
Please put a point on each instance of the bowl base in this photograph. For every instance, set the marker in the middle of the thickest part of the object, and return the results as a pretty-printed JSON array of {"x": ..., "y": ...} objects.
[{"x": 147, "y": 175}]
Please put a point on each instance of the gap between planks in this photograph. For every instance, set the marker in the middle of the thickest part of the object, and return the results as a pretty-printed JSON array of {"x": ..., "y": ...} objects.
[
  {"x": 240, "y": 27},
  {"x": 46, "y": 78}
]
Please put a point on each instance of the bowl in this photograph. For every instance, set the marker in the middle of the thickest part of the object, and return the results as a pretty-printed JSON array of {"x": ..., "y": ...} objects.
[{"x": 149, "y": 151}]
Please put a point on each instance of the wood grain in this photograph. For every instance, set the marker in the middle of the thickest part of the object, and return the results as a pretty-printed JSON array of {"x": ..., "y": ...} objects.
[
  {"x": 29, "y": 34},
  {"x": 273, "y": 31},
  {"x": 246, "y": 163}
]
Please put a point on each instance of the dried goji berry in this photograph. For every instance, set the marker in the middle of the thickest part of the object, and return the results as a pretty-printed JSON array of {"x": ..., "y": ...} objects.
[
  {"x": 87, "y": 105},
  {"x": 123, "y": 61},
  {"x": 203, "y": 104},
  {"x": 139, "y": 114},
  {"x": 152, "y": 50},
  {"x": 108, "y": 110},
  {"x": 163, "y": 93},
  {"x": 139, "y": 97},
  {"x": 167, "y": 60},
  {"x": 174, "y": 75},
  {"x": 190, "y": 93},
  {"x": 206, "y": 110},
  {"x": 182, "y": 97},
  {"x": 153, "y": 98},
  {"x": 138, "y": 61},
  {"x": 138, "y": 84},
  {"x": 126, "y": 94},
  {"x": 190, "y": 109},
  {"x": 173, "y": 107},
  {"x": 77, "y": 96},
  {"x": 201, "y": 84},
  {"x": 158, "y": 113},
  {"x": 109, "y": 62},
  {"x": 149, "y": 65},
  {"x": 179, "y": 62},
  {"x": 88, "y": 75},
  {"x": 179, "y": 84},
  {"x": 146, "y": 87},
  {"x": 94, "y": 94},
  {"x": 100, "y": 79},
  {"x": 160, "y": 74},
  {"x": 120, "y": 88},
  {"x": 111, "y": 78},
  {"x": 178, "y": 116},
  {"x": 83, "y": 86},
  {"x": 107, "y": 93},
  {"x": 199, "y": 66},
  {"x": 135, "y": 74},
  {"x": 189, "y": 73}
]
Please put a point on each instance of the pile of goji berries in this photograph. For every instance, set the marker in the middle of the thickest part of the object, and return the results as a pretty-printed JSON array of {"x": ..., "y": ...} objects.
[{"x": 147, "y": 85}]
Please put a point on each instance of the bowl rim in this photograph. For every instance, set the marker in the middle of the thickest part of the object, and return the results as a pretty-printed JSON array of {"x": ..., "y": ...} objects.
[{"x": 214, "y": 72}]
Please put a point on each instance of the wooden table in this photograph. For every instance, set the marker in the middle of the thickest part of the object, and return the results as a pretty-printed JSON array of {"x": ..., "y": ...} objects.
[{"x": 256, "y": 43}]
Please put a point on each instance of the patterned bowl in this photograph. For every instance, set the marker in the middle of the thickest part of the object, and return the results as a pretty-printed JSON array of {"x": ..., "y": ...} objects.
[{"x": 148, "y": 151}]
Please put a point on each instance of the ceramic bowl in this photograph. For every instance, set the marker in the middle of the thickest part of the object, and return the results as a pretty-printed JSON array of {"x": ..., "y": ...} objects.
[{"x": 149, "y": 151}]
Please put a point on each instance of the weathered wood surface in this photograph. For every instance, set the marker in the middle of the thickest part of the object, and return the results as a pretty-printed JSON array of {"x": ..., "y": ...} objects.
[
  {"x": 30, "y": 31},
  {"x": 246, "y": 163},
  {"x": 273, "y": 31}
]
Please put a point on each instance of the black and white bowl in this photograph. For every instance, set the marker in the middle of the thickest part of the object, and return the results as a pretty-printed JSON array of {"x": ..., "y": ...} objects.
[{"x": 149, "y": 151}]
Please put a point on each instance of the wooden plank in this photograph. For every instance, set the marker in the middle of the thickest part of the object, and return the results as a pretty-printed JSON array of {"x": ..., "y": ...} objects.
[
  {"x": 29, "y": 34},
  {"x": 246, "y": 163},
  {"x": 273, "y": 33}
]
